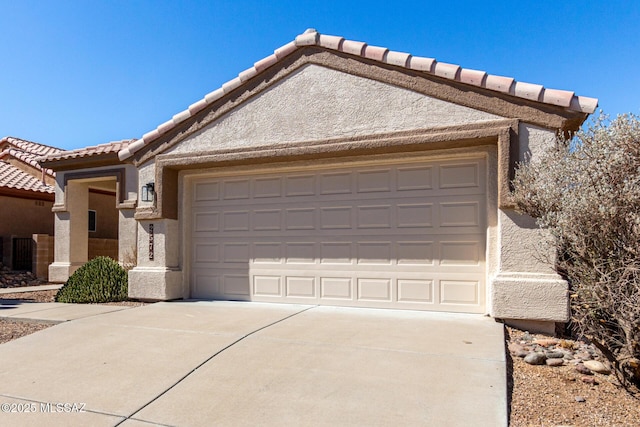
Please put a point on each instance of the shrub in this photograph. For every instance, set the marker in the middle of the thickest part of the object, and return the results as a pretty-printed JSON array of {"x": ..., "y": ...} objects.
[
  {"x": 586, "y": 191},
  {"x": 100, "y": 280}
]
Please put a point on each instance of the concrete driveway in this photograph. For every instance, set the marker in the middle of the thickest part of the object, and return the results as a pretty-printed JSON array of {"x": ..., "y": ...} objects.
[{"x": 229, "y": 363}]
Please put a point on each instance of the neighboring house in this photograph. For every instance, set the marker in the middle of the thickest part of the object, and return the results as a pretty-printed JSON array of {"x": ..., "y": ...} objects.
[
  {"x": 334, "y": 172},
  {"x": 26, "y": 197},
  {"x": 27, "y": 193}
]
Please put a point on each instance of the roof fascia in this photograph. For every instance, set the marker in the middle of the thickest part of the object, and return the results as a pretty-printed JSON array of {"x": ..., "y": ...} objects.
[
  {"x": 99, "y": 160},
  {"x": 26, "y": 194}
]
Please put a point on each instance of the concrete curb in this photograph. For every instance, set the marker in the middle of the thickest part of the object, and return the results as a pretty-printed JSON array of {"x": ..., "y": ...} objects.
[{"x": 29, "y": 289}]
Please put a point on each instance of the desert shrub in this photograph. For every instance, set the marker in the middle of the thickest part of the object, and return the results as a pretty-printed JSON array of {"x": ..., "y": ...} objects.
[
  {"x": 100, "y": 280},
  {"x": 586, "y": 192}
]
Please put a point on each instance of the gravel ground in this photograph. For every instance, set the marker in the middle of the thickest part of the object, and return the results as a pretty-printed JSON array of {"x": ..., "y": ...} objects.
[
  {"x": 13, "y": 329},
  {"x": 558, "y": 396},
  {"x": 541, "y": 396}
]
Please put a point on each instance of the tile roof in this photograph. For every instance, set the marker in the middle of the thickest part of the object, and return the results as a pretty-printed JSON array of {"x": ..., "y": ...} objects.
[
  {"x": 454, "y": 72},
  {"x": 28, "y": 146},
  {"x": 12, "y": 177},
  {"x": 110, "y": 147},
  {"x": 27, "y": 153}
]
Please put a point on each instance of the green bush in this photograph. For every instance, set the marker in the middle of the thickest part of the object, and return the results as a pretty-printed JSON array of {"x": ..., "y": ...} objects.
[{"x": 100, "y": 280}]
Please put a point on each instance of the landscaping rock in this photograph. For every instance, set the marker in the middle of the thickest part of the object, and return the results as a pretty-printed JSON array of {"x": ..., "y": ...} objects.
[
  {"x": 596, "y": 366},
  {"x": 546, "y": 342},
  {"x": 535, "y": 358},
  {"x": 583, "y": 369},
  {"x": 555, "y": 355},
  {"x": 554, "y": 362},
  {"x": 13, "y": 279},
  {"x": 583, "y": 355}
]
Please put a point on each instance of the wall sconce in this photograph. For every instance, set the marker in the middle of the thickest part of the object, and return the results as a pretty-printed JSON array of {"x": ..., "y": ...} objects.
[{"x": 148, "y": 192}]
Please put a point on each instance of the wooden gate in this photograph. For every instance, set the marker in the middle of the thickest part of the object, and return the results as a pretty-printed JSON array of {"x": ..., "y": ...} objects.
[{"x": 23, "y": 253}]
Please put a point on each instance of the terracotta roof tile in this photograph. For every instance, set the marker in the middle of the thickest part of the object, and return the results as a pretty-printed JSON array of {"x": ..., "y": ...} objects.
[
  {"x": 353, "y": 47},
  {"x": 454, "y": 72},
  {"x": 14, "y": 178},
  {"x": 331, "y": 42},
  {"x": 422, "y": 64},
  {"x": 528, "y": 90},
  {"x": 448, "y": 71},
  {"x": 472, "y": 77},
  {"x": 96, "y": 150},
  {"x": 26, "y": 152},
  {"x": 376, "y": 53},
  {"x": 27, "y": 146},
  {"x": 400, "y": 59},
  {"x": 499, "y": 83}
]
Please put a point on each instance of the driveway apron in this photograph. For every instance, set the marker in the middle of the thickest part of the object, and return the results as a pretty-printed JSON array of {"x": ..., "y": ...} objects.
[{"x": 229, "y": 363}]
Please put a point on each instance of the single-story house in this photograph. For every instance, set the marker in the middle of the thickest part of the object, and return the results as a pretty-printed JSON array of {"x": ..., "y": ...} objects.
[
  {"x": 26, "y": 196},
  {"x": 333, "y": 172},
  {"x": 27, "y": 193}
]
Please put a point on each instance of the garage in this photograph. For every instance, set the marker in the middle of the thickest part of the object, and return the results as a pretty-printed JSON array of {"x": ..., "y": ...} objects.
[{"x": 402, "y": 235}]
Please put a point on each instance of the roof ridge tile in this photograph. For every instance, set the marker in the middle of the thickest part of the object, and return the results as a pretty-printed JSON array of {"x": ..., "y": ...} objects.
[{"x": 311, "y": 37}]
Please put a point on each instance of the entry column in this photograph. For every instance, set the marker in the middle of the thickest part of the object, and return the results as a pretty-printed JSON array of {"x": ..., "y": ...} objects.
[{"x": 71, "y": 232}]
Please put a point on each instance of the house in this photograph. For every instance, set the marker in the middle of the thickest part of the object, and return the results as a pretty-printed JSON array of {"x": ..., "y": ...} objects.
[
  {"x": 27, "y": 193},
  {"x": 333, "y": 172},
  {"x": 26, "y": 196}
]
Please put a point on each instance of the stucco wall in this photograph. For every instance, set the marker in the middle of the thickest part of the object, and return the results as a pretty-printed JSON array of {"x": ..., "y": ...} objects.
[
  {"x": 317, "y": 103},
  {"x": 527, "y": 286},
  {"x": 106, "y": 216},
  {"x": 22, "y": 218}
]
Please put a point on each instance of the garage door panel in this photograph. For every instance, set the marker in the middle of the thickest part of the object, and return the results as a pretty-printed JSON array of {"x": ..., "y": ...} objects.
[
  {"x": 459, "y": 292},
  {"x": 460, "y": 253},
  {"x": 206, "y": 253},
  {"x": 300, "y": 185},
  {"x": 235, "y": 285},
  {"x": 374, "y": 181},
  {"x": 336, "y": 288},
  {"x": 414, "y": 215},
  {"x": 374, "y": 216},
  {"x": 264, "y": 285},
  {"x": 374, "y": 289},
  {"x": 336, "y": 218},
  {"x": 336, "y": 183},
  {"x": 397, "y": 236},
  {"x": 414, "y": 178},
  {"x": 267, "y": 219},
  {"x": 415, "y": 291},
  {"x": 206, "y": 221},
  {"x": 301, "y": 287},
  {"x": 460, "y": 214},
  {"x": 415, "y": 253},
  {"x": 461, "y": 175},
  {"x": 234, "y": 189},
  {"x": 270, "y": 187}
]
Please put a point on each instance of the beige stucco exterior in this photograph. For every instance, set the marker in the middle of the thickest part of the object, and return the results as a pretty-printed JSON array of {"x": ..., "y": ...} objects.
[
  {"x": 74, "y": 197},
  {"x": 321, "y": 110}
]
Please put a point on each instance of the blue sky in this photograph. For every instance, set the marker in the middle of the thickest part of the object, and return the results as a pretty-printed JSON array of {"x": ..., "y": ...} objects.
[{"x": 79, "y": 73}]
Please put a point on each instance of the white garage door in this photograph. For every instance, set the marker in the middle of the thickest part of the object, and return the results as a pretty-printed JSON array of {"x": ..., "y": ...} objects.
[{"x": 408, "y": 235}]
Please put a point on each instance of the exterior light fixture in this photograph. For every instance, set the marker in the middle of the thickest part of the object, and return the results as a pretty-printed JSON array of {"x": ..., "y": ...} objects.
[{"x": 148, "y": 192}]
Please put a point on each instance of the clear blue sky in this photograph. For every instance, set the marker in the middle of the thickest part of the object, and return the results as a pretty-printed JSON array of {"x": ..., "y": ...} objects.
[{"x": 79, "y": 73}]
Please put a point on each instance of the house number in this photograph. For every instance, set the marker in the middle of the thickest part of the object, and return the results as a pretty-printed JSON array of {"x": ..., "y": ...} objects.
[{"x": 151, "y": 242}]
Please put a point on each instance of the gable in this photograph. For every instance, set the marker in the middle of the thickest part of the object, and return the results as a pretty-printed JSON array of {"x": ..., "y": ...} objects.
[
  {"x": 555, "y": 109},
  {"x": 317, "y": 103}
]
